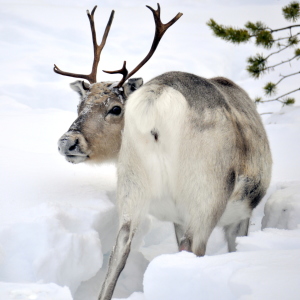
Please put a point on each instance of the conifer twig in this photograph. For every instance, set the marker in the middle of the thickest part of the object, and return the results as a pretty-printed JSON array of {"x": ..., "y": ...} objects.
[
  {"x": 283, "y": 62},
  {"x": 277, "y": 99},
  {"x": 286, "y": 76}
]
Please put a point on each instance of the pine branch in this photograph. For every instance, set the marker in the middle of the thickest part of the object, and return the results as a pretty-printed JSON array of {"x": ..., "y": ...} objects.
[
  {"x": 278, "y": 98},
  {"x": 292, "y": 39},
  {"x": 283, "y": 62},
  {"x": 288, "y": 37},
  {"x": 282, "y": 49},
  {"x": 257, "y": 64},
  {"x": 284, "y": 28},
  {"x": 228, "y": 33},
  {"x": 271, "y": 88},
  {"x": 286, "y": 76},
  {"x": 262, "y": 33}
]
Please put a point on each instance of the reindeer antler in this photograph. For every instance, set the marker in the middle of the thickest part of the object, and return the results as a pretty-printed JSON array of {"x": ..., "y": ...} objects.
[
  {"x": 160, "y": 29},
  {"x": 92, "y": 77},
  {"x": 122, "y": 71}
]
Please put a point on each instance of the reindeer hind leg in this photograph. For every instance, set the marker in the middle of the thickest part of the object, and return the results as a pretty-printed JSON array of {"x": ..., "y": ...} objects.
[
  {"x": 183, "y": 242},
  {"x": 234, "y": 230}
]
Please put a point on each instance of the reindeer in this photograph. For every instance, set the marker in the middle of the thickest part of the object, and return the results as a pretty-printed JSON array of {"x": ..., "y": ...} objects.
[{"x": 189, "y": 150}]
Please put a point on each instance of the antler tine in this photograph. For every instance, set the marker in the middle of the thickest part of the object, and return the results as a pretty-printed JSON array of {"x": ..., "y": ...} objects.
[
  {"x": 122, "y": 71},
  {"x": 57, "y": 70},
  {"x": 160, "y": 29},
  {"x": 92, "y": 77},
  {"x": 98, "y": 49}
]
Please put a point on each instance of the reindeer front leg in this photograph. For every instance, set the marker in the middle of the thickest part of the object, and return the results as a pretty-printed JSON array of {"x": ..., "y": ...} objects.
[
  {"x": 130, "y": 214},
  {"x": 133, "y": 202},
  {"x": 117, "y": 260}
]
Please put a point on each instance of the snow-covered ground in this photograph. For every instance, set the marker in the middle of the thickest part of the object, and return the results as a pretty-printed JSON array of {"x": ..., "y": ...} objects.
[{"x": 58, "y": 221}]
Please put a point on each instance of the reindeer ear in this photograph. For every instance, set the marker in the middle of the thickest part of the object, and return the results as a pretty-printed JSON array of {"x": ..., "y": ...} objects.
[
  {"x": 81, "y": 87},
  {"x": 132, "y": 85}
]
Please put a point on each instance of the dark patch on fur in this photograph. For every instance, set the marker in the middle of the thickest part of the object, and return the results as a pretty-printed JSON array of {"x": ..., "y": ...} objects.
[
  {"x": 254, "y": 202},
  {"x": 80, "y": 107},
  {"x": 223, "y": 81},
  {"x": 242, "y": 143},
  {"x": 230, "y": 181},
  {"x": 254, "y": 192},
  {"x": 78, "y": 124},
  {"x": 154, "y": 132}
]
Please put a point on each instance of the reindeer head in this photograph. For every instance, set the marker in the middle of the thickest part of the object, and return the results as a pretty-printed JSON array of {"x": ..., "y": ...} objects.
[{"x": 95, "y": 136}]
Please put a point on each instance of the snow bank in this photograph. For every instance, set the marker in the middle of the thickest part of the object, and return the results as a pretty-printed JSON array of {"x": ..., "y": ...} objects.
[
  {"x": 33, "y": 291},
  {"x": 252, "y": 275},
  {"x": 283, "y": 208},
  {"x": 286, "y": 115},
  {"x": 53, "y": 244},
  {"x": 270, "y": 239},
  {"x": 134, "y": 296}
]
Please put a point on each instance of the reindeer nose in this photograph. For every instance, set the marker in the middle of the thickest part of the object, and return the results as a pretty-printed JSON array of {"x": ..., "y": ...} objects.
[
  {"x": 68, "y": 145},
  {"x": 73, "y": 147}
]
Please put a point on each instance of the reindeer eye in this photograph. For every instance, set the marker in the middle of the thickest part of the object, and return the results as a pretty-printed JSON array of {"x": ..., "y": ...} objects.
[{"x": 116, "y": 110}]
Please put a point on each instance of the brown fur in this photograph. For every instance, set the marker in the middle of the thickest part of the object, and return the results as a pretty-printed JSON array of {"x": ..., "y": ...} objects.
[{"x": 97, "y": 130}]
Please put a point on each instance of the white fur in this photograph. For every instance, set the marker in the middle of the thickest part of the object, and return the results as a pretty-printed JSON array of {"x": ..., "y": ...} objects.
[{"x": 157, "y": 160}]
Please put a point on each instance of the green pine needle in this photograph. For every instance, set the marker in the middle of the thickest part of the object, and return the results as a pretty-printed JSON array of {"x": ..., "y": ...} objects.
[
  {"x": 229, "y": 33},
  {"x": 289, "y": 101},
  {"x": 257, "y": 99},
  {"x": 264, "y": 38},
  {"x": 291, "y": 12},
  {"x": 293, "y": 40},
  {"x": 217, "y": 29},
  {"x": 270, "y": 89},
  {"x": 257, "y": 65},
  {"x": 254, "y": 28}
]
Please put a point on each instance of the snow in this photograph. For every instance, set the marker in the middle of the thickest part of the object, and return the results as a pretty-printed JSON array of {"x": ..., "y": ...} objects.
[
  {"x": 56, "y": 242},
  {"x": 34, "y": 291},
  {"x": 58, "y": 221},
  {"x": 241, "y": 275},
  {"x": 283, "y": 208}
]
